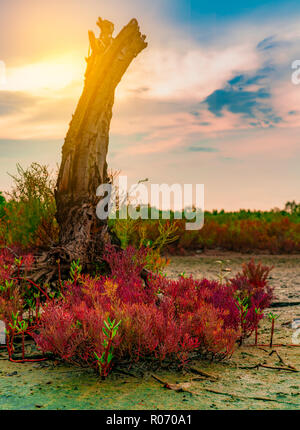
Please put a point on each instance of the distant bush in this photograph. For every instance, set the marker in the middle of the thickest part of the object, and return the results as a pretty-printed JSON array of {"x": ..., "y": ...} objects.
[
  {"x": 243, "y": 231},
  {"x": 28, "y": 216},
  {"x": 27, "y": 219},
  {"x": 2, "y": 205},
  {"x": 293, "y": 208}
]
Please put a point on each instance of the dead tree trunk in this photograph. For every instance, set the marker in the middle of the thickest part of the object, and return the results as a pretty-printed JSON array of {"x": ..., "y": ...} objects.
[{"x": 83, "y": 166}]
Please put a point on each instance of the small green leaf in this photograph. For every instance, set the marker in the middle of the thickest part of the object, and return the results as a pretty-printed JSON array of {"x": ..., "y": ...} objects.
[
  {"x": 105, "y": 332},
  {"x": 106, "y": 325}
]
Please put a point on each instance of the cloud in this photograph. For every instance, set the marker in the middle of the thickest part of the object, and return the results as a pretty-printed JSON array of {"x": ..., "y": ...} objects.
[
  {"x": 271, "y": 43},
  {"x": 198, "y": 93},
  {"x": 236, "y": 101},
  {"x": 15, "y": 102},
  {"x": 174, "y": 73},
  {"x": 202, "y": 149},
  {"x": 249, "y": 95}
]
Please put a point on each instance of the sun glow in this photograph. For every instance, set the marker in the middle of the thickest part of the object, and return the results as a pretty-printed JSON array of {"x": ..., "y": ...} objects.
[{"x": 48, "y": 75}]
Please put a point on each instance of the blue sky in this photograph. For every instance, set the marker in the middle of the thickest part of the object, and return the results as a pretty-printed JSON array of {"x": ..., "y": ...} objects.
[
  {"x": 209, "y": 101},
  {"x": 195, "y": 9}
]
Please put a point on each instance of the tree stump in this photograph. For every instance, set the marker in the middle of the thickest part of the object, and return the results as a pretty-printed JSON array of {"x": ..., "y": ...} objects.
[{"x": 83, "y": 167}]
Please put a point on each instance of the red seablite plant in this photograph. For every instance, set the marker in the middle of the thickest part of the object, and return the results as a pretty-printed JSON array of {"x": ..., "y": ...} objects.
[
  {"x": 162, "y": 319},
  {"x": 20, "y": 299}
]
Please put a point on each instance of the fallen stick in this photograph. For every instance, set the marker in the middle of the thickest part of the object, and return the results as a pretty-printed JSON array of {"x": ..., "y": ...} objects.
[
  {"x": 256, "y": 366},
  {"x": 240, "y": 396},
  {"x": 175, "y": 387},
  {"x": 262, "y": 349},
  {"x": 209, "y": 390},
  {"x": 268, "y": 345},
  {"x": 280, "y": 368},
  {"x": 202, "y": 373},
  {"x": 281, "y": 360},
  {"x": 197, "y": 378}
]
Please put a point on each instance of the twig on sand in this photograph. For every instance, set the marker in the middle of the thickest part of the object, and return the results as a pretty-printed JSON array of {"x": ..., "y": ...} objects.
[
  {"x": 274, "y": 351},
  {"x": 265, "y": 399},
  {"x": 202, "y": 373},
  {"x": 265, "y": 350},
  {"x": 240, "y": 396},
  {"x": 175, "y": 387},
  {"x": 277, "y": 345},
  {"x": 258, "y": 365},
  {"x": 281, "y": 360},
  {"x": 181, "y": 388}
]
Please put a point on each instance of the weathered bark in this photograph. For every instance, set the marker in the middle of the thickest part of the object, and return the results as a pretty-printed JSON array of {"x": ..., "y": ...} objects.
[{"x": 83, "y": 166}]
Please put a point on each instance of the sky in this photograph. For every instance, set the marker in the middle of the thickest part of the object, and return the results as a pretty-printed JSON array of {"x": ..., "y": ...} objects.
[{"x": 210, "y": 101}]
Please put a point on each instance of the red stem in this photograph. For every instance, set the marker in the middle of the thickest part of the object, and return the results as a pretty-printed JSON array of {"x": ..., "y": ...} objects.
[
  {"x": 19, "y": 266},
  {"x": 27, "y": 360},
  {"x": 32, "y": 283},
  {"x": 23, "y": 346},
  {"x": 105, "y": 365}
]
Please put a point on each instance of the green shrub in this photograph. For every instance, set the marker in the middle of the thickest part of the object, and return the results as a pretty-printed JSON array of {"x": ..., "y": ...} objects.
[{"x": 28, "y": 217}]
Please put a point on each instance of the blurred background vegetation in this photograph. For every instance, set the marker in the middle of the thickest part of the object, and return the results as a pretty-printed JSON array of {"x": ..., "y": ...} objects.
[{"x": 27, "y": 220}]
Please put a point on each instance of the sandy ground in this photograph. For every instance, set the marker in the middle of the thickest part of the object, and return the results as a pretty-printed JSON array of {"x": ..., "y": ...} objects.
[{"x": 50, "y": 385}]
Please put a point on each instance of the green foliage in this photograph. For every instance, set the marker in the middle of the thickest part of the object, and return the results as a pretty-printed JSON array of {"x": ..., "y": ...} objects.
[
  {"x": 243, "y": 231},
  {"x": 105, "y": 360},
  {"x": 136, "y": 233},
  {"x": 258, "y": 311},
  {"x": 243, "y": 308},
  {"x": 2, "y": 205},
  {"x": 272, "y": 316},
  {"x": 223, "y": 270},
  {"x": 293, "y": 208},
  {"x": 75, "y": 270},
  {"x": 124, "y": 230},
  {"x": 28, "y": 217},
  {"x": 33, "y": 183}
]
